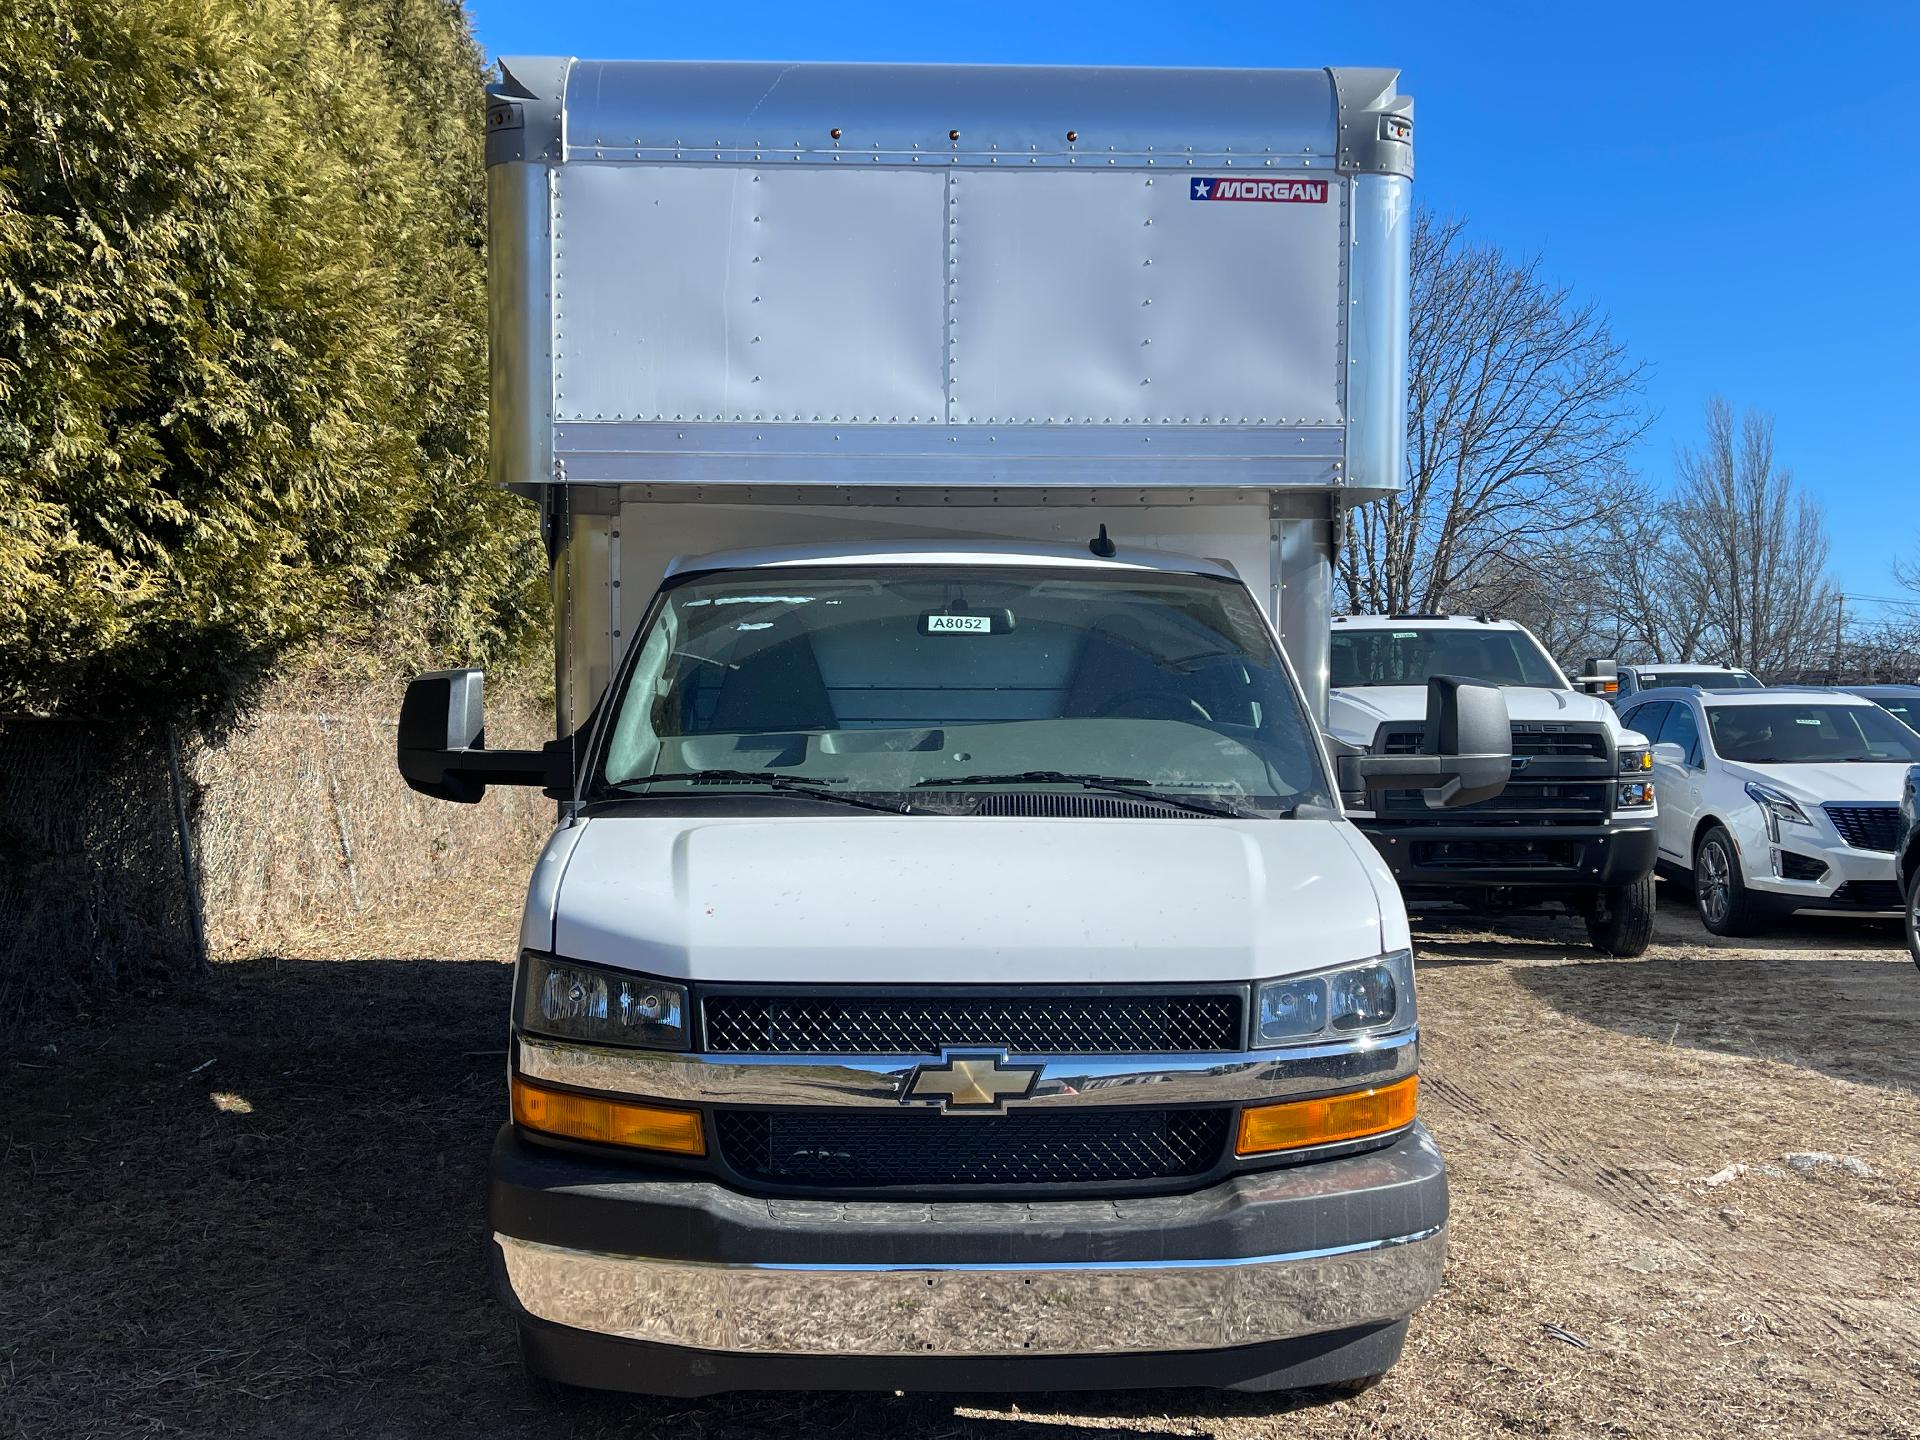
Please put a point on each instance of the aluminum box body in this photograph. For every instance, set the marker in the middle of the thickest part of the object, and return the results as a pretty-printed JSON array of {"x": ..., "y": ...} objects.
[{"x": 935, "y": 288}]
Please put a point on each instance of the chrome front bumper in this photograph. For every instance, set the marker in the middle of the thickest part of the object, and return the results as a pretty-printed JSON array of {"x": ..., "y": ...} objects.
[
  {"x": 690, "y": 1279},
  {"x": 976, "y": 1310}
]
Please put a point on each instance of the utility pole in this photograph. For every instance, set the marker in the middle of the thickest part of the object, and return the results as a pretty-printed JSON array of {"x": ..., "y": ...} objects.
[{"x": 1839, "y": 621}]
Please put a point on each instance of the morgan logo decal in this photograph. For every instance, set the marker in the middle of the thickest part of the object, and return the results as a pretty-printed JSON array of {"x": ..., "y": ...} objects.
[{"x": 1233, "y": 187}]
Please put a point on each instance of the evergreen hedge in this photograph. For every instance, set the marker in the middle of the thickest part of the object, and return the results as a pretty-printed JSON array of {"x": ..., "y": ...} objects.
[{"x": 242, "y": 349}]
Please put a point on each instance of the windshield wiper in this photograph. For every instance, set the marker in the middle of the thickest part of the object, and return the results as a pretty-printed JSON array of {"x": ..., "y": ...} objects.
[
  {"x": 1116, "y": 784},
  {"x": 775, "y": 780}
]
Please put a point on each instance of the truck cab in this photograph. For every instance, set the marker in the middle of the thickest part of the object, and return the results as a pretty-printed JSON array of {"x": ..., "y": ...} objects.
[
  {"x": 1618, "y": 683},
  {"x": 1577, "y": 825},
  {"x": 953, "y": 967}
]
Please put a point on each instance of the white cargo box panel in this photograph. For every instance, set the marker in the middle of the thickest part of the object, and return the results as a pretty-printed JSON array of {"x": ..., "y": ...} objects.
[{"x": 960, "y": 278}]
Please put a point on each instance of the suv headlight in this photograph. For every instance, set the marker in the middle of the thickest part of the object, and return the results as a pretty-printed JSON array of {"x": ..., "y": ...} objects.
[
  {"x": 571, "y": 1001},
  {"x": 1776, "y": 806},
  {"x": 1370, "y": 997}
]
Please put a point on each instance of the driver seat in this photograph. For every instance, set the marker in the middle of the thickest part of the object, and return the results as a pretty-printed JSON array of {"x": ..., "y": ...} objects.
[{"x": 1112, "y": 664}]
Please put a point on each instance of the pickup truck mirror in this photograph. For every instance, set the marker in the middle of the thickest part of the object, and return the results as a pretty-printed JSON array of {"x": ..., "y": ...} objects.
[
  {"x": 442, "y": 745},
  {"x": 1602, "y": 677},
  {"x": 1465, "y": 756}
]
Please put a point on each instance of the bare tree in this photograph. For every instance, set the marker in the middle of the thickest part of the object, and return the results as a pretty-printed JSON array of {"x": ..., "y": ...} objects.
[
  {"x": 1522, "y": 409},
  {"x": 1657, "y": 597},
  {"x": 1749, "y": 551}
]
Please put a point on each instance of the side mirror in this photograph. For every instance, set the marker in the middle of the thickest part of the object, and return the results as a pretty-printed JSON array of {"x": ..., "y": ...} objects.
[
  {"x": 1668, "y": 753},
  {"x": 1602, "y": 677},
  {"x": 442, "y": 744},
  {"x": 1465, "y": 755}
]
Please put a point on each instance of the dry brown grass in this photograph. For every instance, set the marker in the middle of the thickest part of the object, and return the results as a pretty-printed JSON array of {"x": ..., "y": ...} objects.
[
  {"x": 306, "y": 830},
  {"x": 260, "y": 1211}
]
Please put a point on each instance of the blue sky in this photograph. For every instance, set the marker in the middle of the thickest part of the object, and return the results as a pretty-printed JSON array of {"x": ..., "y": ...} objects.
[{"x": 1731, "y": 182}]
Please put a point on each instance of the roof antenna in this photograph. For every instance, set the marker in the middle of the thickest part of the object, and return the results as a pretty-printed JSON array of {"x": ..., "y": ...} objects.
[{"x": 1102, "y": 546}]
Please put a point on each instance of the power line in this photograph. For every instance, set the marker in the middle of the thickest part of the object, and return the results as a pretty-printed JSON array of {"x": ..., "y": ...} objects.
[{"x": 1895, "y": 600}]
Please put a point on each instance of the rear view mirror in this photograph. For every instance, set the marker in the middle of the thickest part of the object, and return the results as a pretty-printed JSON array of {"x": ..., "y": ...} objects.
[
  {"x": 1465, "y": 755},
  {"x": 1670, "y": 753},
  {"x": 442, "y": 743}
]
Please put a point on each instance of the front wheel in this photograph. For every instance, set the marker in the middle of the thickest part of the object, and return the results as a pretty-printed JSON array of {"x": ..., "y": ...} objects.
[
  {"x": 1621, "y": 921},
  {"x": 1720, "y": 891},
  {"x": 1913, "y": 914}
]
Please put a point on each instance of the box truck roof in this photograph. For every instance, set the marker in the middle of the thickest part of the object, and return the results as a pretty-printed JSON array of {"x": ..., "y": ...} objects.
[{"x": 946, "y": 552}]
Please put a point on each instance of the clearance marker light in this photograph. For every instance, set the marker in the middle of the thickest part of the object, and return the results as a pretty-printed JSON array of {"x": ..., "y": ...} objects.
[
  {"x": 607, "y": 1121},
  {"x": 1353, "y": 1116}
]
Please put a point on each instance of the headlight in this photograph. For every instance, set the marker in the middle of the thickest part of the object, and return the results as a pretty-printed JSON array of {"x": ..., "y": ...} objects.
[
  {"x": 1636, "y": 759},
  {"x": 1372, "y": 996},
  {"x": 1776, "y": 806},
  {"x": 572, "y": 1001},
  {"x": 1634, "y": 795}
]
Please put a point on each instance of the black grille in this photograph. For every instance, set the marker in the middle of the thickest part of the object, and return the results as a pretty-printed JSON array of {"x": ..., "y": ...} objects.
[
  {"x": 1869, "y": 895},
  {"x": 1867, "y": 827},
  {"x": 1498, "y": 854},
  {"x": 1558, "y": 742},
  {"x": 1523, "y": 802},
  {"x": 828, "y": 1150},
  {"x": 1563, "y": 775},
  {"x": 756, "y": 1024},
  {"x": 1801, "y": 867},
  {"x": 1044, "y": 803}
]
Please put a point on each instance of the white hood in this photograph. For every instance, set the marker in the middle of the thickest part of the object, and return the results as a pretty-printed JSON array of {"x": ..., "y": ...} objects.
[
  {"x": 1353, "y": 715},
  {"x": 1866, "y": 784},
  {"x": 870, "y": 899}
]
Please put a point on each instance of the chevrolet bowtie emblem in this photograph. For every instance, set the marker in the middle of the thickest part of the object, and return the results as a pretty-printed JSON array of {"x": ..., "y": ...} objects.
[{"x": 978, "y": 1083}]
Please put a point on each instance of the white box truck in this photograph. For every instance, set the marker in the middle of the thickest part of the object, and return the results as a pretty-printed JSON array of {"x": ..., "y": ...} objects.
[{"x": 952, "y": 968}]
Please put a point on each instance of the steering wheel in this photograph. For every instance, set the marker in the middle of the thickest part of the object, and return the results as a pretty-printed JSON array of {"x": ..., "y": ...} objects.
[{"x": 1155, "y": 705}]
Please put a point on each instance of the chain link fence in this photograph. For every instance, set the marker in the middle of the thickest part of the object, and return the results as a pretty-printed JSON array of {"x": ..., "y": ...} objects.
[
  {"x": 93, "y": 892},
  {"x": 126, "y": 860}
]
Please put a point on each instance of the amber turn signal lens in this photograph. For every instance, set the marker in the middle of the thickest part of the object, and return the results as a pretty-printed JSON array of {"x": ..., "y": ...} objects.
[
  {"x": 1354, "y": 1116},
  {"x": 608, "y": 1121}
]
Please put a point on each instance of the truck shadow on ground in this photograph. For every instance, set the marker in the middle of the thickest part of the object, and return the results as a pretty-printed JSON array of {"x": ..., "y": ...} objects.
[
  {"x": 1852, "y": 1018},
  {"x": 260, "y": 1209}
]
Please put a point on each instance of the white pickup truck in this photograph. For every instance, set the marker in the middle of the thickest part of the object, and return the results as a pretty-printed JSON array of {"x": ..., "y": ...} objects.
[
  {"x": 952, "y": 967},
  {"x": 1575, "y": 828}
]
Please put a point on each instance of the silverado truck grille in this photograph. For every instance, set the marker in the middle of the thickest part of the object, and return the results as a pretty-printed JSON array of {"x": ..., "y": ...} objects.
[
  {"x": 1563, "y": 775},
  {"x": 1867, "y": 827},
  {"x": 1063, "y": 1024},
  {"x": 1529, "y": 740},
  {"x": 1521, "y": 803},
  {"x": 830, "y": 1150}
]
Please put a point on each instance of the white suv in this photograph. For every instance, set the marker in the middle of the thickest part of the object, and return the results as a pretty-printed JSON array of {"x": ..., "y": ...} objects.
[{"x": 1776, "y": 800}]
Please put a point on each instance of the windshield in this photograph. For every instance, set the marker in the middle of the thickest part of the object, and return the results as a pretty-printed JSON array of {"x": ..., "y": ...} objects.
[
  {"x": 865, "y": 680},
  {"x": 1904, "y": 708},
  {"x": 1810, "y": 734},
  {"x": 1416, "y": 654},
  {"x": 1705, "y": 679}
]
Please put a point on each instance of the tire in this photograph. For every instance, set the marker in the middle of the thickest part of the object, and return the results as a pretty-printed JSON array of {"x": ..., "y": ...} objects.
[
  {"x": 1720, "y": 894},
  {"x": 1621, "y": 921},
  {"x": 1913, "y": 914}
]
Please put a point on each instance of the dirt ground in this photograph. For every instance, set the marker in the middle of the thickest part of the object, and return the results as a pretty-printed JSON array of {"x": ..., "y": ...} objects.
[{"x": 258, "y": 1211}]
